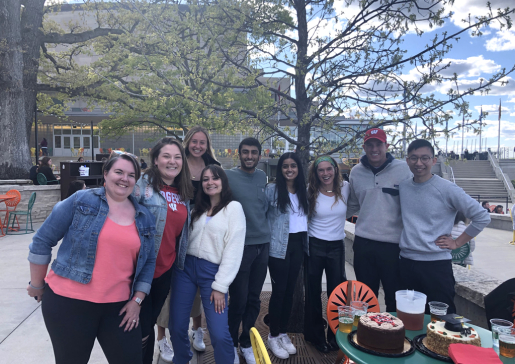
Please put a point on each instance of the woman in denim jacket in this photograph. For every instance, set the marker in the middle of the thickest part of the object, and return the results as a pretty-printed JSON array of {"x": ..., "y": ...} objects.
[
  {"x": 165, "y": 189},
  {"x": 103, "y": 268},
  {"x": 287, "y": 217}
]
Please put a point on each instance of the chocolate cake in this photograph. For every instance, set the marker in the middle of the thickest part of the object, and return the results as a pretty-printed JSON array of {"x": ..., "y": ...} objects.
[
  {"x": 381, "y": 332},
  {"x": 439, "y": 338}
]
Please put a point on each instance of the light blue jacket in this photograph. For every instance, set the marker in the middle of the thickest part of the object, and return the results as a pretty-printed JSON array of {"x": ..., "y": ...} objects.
[
  {"x": 279, "y": 223},
  {"x": 156, "y": 204},
  {"x": 78, "y": 221}
]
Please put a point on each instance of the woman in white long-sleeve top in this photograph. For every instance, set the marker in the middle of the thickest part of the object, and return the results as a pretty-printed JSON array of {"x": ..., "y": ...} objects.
[{"x": 213, "y": 258}]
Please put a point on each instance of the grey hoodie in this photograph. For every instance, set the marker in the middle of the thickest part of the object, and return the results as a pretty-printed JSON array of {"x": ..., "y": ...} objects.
[{"x": 376, "y": 197}]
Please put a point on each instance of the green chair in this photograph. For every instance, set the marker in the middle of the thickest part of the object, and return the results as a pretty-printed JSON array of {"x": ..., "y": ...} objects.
[
  {"x": 13, "y": 216},
  {"x": 460, "y": 254},
  {"x": 43, "y": 181}
]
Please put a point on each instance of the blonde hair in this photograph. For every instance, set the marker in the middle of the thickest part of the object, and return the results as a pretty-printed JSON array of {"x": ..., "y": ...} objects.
[
  {"x": 314, "y": 183},
  {"x": 189, "y": 135}
]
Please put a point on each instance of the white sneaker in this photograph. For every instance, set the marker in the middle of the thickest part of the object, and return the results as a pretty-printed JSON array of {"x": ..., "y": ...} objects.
[
  {"x": 248, "y": 354},
  {"x": 236, "y": 357},
  {"x": 274, "y": 344},
  {"x": 197, "y": 339},
  {"x": 165, "y": 350},
  {"x": 286, "y": 343}
]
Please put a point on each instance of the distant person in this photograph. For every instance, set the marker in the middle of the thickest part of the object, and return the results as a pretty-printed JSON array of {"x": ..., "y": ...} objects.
[
  {"x": 46, "y": 169},
  {"x": 44, "y": 147},
  {"x": 33, "y": 173},
  {"x": 75, "y": 186},
  {"x": 486, "y": 205},
  {"x": 248, "y": 188},
  {"x": 143, "y": 164},
  {"x": 460, "y": 225},
  {"x": 426, "y": 242},
  {"x": 499, "y": 210},
  {"x": 80, "y": 160},
  {"x": 374, "y": 195}
]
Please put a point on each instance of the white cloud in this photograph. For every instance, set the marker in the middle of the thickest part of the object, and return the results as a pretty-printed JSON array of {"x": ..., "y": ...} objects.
[
  {"x": 502, "y": 41},
  {"x": 475, "y": 8}
]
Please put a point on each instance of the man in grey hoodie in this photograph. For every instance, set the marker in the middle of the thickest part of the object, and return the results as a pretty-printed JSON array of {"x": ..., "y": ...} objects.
[
  {"x": 248, "y": 188},
  {"x": 375, "y": 194},
  {"x": 429, "y": 205}
]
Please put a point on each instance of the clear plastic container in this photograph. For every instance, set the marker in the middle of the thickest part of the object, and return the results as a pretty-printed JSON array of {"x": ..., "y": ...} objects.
[{"x": 411, "y": 306}]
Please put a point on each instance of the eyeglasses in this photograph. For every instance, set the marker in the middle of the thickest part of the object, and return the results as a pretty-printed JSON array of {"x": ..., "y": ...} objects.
[
  {"x": 425, "y": 159},
  {"x": 127, "y": 153}
]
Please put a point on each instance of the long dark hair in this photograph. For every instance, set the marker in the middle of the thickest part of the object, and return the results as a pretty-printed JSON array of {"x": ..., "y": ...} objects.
[
  {"x": 314, "y": 183},
  {"x": 281, "y": 191},
  {"x": 203, "y": 202},
  {"x": 183, "y": 179},
  {"x": 45, "y": 160}
]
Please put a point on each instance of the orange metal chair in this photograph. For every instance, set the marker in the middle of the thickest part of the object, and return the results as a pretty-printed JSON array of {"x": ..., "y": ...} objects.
[
  {"x": 343, "y": 295},
  {"x": 10, "y": 205}
]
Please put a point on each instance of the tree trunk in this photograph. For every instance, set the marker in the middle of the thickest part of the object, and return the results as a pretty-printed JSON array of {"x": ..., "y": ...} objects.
[{"x": 14, "y": 160}]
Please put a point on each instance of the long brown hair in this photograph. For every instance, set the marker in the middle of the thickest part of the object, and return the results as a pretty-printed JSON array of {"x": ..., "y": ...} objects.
[
  {"x": 183, "y": 179},
  {"x": 203, "y": 202},
  {"x": 314, "y": 184},
  {"x": 189, "y": 135}
]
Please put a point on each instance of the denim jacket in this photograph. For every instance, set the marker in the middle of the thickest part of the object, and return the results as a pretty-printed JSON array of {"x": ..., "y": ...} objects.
[
  {"x": 279, "y": 223},
  {"x": 78, "y": 221},
  {"x": 156, "y": 204}
]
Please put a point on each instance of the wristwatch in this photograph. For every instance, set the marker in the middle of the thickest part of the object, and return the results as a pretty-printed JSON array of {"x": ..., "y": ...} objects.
[{"x": 138, "y": 300}]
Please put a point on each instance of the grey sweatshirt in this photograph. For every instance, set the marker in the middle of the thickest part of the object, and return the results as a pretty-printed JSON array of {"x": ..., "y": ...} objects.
[
  {"x": 428, "y": 211},
  {"x": 376, "y": 197},
  {"x": 249, "y": 190}
]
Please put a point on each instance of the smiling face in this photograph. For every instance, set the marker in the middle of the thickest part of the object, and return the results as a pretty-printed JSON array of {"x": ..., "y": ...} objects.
[
  {"x": 420, "y": 162},
  {"x": 169, "y": 162},
  {"x": 325, "y": 173},
  {"x": 198, "y": 144},
  {"x": 249, "y": 157},
  {"x": 375, "y": 151},
  {"x": 290, "y": 169},
  {"x": 211, "y": 184},
  {"x": 120, "y": 179}
]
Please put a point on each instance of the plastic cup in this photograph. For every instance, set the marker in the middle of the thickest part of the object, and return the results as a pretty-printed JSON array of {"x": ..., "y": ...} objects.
[
  {"x": 345, "y": 318},
  {"x": 437, "y": 309},
  {"x": 496, "y": 325},
  {"x": 411, "y": 306},
  {"x": 360, "y": 308},
  {"x": 506, "y": 341}
]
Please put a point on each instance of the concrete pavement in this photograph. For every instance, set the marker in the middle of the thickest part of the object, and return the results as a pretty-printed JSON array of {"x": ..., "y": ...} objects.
[{"x": 23, "y": 336}]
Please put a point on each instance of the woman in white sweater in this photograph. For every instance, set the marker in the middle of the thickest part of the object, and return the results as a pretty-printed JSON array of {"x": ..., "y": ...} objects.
[{"x": 215, "y": 249}]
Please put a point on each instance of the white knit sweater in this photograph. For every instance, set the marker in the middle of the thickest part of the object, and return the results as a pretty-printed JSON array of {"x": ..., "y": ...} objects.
[{"x": 220, "y": 241}]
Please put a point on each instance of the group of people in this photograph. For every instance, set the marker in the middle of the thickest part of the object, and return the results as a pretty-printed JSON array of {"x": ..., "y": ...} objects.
[
  {"x": 496, "y": 209},
  {"x": 44, "y": 167},
  {"x": 158, "y": 245}
]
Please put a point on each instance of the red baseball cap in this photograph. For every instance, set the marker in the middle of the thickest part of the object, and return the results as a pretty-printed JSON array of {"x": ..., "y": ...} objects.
[{"x": 375, "y": 133}]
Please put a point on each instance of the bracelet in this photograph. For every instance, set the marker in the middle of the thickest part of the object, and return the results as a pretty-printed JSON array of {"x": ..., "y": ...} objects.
[{"x": 30, "y": 284}]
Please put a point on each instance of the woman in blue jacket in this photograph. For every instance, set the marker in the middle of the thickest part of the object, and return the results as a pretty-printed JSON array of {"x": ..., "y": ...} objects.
[
  {"x": 87, "y": 297},
  {"x": 287, "y": 217}
]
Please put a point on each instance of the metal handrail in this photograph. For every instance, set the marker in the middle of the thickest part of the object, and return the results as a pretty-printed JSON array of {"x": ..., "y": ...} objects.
[
  {"x": 452, "y": 174},
  {"x": 508, "y": 186}
]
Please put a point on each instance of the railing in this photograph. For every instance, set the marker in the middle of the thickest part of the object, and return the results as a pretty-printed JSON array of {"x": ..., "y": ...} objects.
[
  {"x": 452, "y": 175},
  {"x": 500, "y": 174},
  {"x": 490, "y": 198}
]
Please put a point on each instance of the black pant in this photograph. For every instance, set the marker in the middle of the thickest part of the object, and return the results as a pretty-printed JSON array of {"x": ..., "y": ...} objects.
[
  {"x": 433, "y": 278},
  {"x": 328, "y": 255},
  {"x": 284, "y": 273},
  {"x": 244, "y": 302},
  {"x": 150, "y": 310},
  {"x": 74, "y": 324},
  {"x": 374, "y": 262}
]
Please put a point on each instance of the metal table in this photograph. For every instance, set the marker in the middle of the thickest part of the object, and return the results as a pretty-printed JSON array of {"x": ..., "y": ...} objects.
[{"x": 417, "y": 357}]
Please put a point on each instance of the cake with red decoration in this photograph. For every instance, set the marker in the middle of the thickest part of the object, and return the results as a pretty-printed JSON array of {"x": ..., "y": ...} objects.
[
  {"x": 381, "y": 332},
  {"x": 439, "y": 338}
]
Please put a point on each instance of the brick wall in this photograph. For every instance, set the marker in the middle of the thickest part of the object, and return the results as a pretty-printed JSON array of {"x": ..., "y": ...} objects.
[{"x": 46, "y": 198}]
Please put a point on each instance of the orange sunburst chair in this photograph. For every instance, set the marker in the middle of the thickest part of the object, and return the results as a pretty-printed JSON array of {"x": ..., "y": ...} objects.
[{"x": 343, "y": 295}]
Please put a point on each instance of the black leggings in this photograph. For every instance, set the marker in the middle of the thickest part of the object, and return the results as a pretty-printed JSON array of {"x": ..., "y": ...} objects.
[{"x": 73, "y": 326}]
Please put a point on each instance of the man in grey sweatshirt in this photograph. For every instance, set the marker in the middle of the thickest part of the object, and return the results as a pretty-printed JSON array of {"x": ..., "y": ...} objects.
[
  {"x": 375, "y": 194},
  {"x": 248, "y": 188},
  {"x": 429, "y": 205}
]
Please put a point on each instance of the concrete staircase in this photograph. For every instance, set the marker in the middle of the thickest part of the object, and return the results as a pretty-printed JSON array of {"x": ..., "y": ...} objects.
[
  {"x": 508, "y": 167},
  {"x": 478, "y": 178}
]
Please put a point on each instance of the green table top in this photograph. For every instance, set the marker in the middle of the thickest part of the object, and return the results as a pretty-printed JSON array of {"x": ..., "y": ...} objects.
[{"x": 417, "y": 357}]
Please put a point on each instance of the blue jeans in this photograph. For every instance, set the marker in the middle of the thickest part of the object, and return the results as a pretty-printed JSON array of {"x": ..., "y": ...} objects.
[{"x": 197, "y": 273}]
